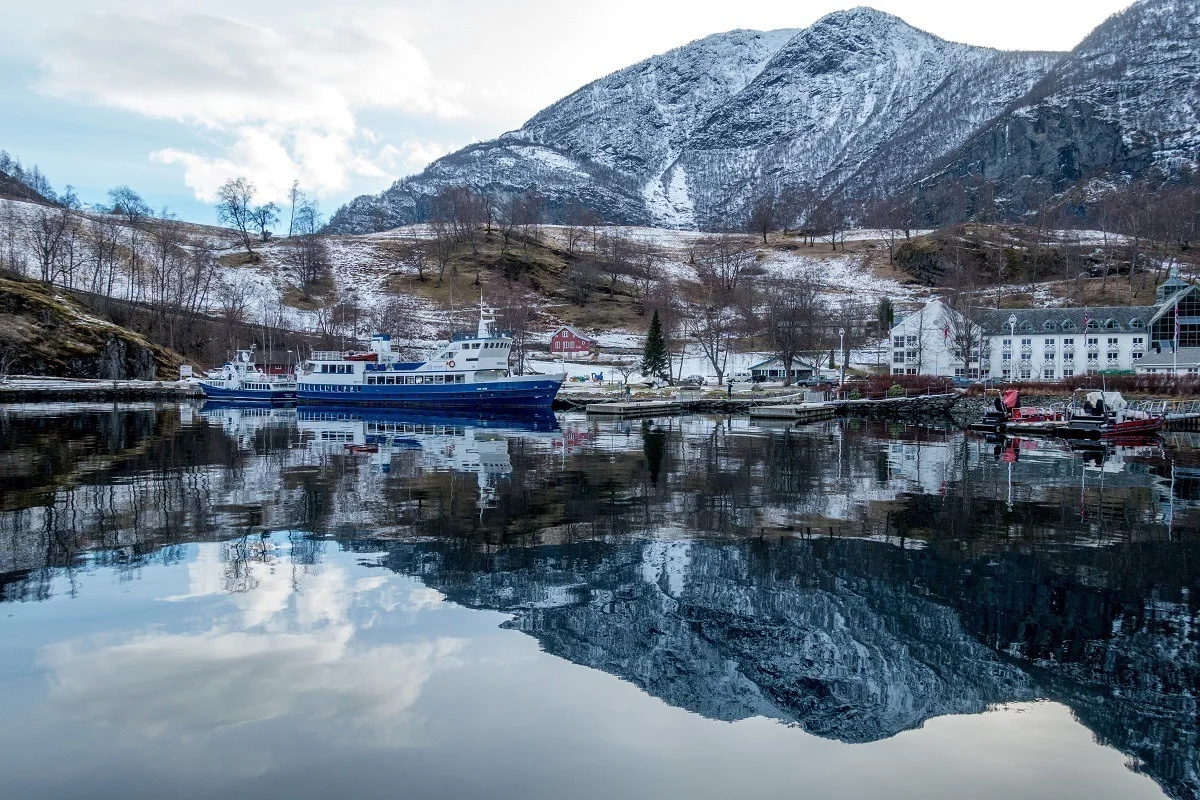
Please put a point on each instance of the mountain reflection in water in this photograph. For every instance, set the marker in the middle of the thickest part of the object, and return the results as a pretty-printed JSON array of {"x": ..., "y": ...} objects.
[{"x": 854, "y": 580}]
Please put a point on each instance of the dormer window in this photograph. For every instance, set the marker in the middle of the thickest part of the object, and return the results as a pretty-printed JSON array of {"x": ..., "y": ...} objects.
[
  {"x": 1047, "y": 325},
  {"x": 1068, "y": 325},
  {"x": 1026, "y": 327},
  {"x": 1112, "y": 325},
  {"x": 1093, "y": 325},
  {"x": 1136, "y": 324}
]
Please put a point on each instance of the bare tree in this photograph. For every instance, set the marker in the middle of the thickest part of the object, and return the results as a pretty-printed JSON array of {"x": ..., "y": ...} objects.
[
  {"x": 296, "y": 200},
  {"x": 763, "y": 216},
  {"x": 307, "y": 261},
  {"x": 722, "y": 261},
  {"x": 127, "y": 203},
  {"x": 517, "y": 315},
  {"x": 46, "y": 232},
  {"x": 582, "y": 277},
  {"x": 263, "y": 218},
  {"x": 795, "y": 318},
  {"x": 235, "y": 205}
]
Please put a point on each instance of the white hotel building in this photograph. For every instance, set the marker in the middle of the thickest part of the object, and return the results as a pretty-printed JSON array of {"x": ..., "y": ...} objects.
[{"x": 1044, "y": 343}]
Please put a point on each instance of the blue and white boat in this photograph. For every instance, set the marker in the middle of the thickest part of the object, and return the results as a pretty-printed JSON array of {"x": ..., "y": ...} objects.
[
  {"x": 240, "y": 379},
  {"x": 469, "y": 373}
]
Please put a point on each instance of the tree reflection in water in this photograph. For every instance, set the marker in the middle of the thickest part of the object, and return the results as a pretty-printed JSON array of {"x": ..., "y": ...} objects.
[{"x": 848, "y": 578}]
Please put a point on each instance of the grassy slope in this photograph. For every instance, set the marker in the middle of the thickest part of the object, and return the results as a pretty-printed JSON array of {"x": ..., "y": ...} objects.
[{"x": 44, "y": 332}]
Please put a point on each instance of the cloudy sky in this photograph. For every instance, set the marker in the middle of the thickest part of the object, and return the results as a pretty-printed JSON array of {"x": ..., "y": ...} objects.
[{"x": 175, "y": 97}]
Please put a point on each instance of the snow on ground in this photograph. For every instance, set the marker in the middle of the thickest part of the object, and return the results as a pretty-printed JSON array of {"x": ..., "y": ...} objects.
[
  {"x": 879, "y": 234},
  {"x": 844, "y": 274}
]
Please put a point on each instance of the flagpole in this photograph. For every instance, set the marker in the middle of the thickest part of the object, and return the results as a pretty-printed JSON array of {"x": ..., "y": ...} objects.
[{"x": 1175, "y": 348}]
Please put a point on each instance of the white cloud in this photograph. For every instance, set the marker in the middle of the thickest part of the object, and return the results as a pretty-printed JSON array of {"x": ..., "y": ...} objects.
[{"x": 284, "y": 97}]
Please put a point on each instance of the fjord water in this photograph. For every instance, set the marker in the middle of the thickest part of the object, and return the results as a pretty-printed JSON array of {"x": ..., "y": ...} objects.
[{"x": 247, "y": 603}]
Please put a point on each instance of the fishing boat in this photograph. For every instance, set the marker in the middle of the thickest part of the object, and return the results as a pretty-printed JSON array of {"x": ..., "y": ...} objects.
[
  {"x": 469, "y": 373},
  {"x": 1089, "y": 415},
  {"x": 240, "y": 379},
  {"x": 1009, "y": 416},
  {"x": 1108, "y": 415}
]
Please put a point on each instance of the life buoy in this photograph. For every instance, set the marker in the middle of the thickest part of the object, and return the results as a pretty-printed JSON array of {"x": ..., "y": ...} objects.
[{"x": 449, "y": 363}]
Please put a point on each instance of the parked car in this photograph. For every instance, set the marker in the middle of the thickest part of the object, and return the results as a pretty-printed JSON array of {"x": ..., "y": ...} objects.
[
  {"x": 692, "y": 381},
  {"x": 740, "y": 377}
]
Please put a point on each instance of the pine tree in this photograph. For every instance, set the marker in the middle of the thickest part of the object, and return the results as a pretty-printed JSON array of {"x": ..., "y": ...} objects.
[{"x": 654, "y": 357}]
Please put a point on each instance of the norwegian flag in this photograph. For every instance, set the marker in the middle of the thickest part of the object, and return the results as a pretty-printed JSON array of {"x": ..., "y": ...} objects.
[
  {"x": 946, "y": 332},
  {"x": 1176, "y": 327}
]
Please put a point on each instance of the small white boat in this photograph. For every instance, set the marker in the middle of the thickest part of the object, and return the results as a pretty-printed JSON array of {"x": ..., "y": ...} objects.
[{"x": 241, "y": 379}]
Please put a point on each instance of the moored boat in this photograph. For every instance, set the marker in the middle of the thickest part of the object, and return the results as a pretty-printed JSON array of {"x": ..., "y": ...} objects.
[
  {"x": 240, "y": 379},
  {"x": 470, "y": 372}
]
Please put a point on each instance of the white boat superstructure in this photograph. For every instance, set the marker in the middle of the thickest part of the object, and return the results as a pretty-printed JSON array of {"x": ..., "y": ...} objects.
[{"x": 241, "y": 379}]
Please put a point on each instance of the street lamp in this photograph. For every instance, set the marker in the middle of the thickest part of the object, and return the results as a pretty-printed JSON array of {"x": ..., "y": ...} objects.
[{"x": 842, "y": 352}]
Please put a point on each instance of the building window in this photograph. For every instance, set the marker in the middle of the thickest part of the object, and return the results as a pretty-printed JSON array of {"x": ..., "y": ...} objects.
[
  {"x": 1026, "y": 356},
  {"x": 1026, "y": 373},
  {"x": 1093, "y": 341},
  {"x": 1113, "y": 341},
  {"x": 1047, "y": 325},
  {"x": 912, "y": 356},
  {"x": 1069, "y": 341},
  {"x": 1006, "y": 373},
  {"x": 1136, "y": 324},
  {"x": 912, "y": 341},
  {"x": 1026, "y": 343},
  {"x": 1067, "y": 372},
  {"x": 1093, "y": 358},
  {"x": 1048, "y": 373},
  {"x": 1006, "y": 357},
  {"x": 897, "y": 341},
  {"x": 1113, "y": 356},
  {"x": 1049, "y": 342},
  {"x": 898, "y": 357},
  {"x": 1068, "y": 357},
  {"x": 1068, "y": 325},
  {"x": 1137, "y": 356},
  {"x": 1139, "y": 341},
  {"x": 1008, "y": 344}
]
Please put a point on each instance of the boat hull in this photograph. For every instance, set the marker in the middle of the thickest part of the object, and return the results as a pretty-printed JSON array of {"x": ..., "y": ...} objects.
[
  {"x": 244, "y": 395},
  {"x": 510, "y": 393}
]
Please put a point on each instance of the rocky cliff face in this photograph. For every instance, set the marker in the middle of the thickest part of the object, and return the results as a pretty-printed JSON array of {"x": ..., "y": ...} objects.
[
  {"x": 44, "y": 332},
  {"x": 691, "y": 137},
  {"x": 1122, "y": 102}
]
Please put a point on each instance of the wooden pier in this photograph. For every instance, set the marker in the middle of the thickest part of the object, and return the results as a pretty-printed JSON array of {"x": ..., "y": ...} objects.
[
  {"x": 802, "y": 412},
  {"x": 29, "y": 388},
  {"x": 637, "y": 408}
]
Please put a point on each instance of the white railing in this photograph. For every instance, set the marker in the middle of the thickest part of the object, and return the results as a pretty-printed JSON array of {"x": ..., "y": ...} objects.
[{"x": 326, "y": 355}]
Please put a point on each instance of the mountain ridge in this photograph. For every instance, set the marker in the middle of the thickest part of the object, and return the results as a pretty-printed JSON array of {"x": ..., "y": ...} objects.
[{"x": 860, "y": 105}]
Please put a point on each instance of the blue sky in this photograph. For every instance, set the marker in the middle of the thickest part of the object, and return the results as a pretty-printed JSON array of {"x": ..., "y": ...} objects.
[{"x": 172, "y": 97}]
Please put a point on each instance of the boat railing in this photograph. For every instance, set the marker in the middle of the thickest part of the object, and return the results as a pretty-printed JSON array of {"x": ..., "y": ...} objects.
[{"x": 326, "y": 355}]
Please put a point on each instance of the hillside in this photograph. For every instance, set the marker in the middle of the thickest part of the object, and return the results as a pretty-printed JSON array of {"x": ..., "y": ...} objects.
[
  {"x": 45, "y": 332},
  {"x": 1120, "y": 104}
]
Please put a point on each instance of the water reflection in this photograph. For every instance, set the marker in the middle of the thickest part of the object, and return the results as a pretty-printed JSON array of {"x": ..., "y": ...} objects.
[{"x": 852, "y": 580}]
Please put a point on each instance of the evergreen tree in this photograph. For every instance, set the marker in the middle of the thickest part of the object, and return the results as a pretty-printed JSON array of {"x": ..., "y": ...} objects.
[
  {"x": 885, "y": 315},
  {"x": 655, "y": 360}
]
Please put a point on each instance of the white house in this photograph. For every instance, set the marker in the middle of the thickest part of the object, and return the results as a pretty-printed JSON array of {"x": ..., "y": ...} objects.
[
  {"x": 930, "y": 342},
  {"x": 1046, "y": 343},
  {"x": 1166, "y": 362}
]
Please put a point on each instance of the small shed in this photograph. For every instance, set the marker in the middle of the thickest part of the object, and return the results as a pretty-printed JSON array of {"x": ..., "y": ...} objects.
[
  {"x": 571, "y": 343},
  {"x": 772, "y": 370}
]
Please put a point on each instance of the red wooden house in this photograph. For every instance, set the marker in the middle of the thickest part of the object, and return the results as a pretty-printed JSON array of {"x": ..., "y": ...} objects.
[{"x": 571, "y": 343}]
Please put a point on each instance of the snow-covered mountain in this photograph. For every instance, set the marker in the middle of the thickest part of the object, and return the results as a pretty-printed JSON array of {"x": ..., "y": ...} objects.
[
  {"x": 692, "y": 136},
  {"x": 1123, "y": 102},
  {"x": 860, "y": 102}
]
